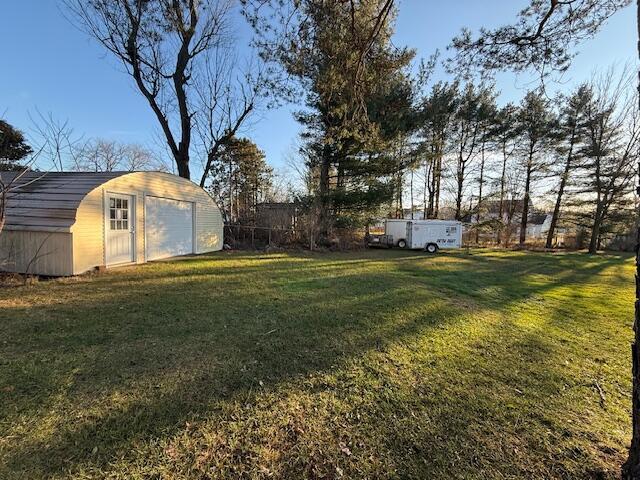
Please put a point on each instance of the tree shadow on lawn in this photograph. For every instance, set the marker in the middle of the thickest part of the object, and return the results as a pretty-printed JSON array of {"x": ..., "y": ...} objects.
[
  {"x": 122, "y": 379},
  {"x": 187, "y": 363},
  {"x": 500, "y": 282},
  {"x": 273, "y": 265},
  {"x": 517, "y": 412}
]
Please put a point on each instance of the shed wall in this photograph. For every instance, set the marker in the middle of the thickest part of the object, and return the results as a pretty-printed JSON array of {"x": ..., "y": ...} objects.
[
  {"x": 88, "y": 231},
  {"x": 41, "y": 253}
]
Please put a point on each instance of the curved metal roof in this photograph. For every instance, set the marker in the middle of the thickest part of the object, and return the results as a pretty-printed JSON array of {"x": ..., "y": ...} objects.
[{"x": 48, "y": 200}]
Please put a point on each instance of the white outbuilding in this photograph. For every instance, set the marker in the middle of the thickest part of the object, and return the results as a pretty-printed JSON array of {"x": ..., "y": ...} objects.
[{"x": 68, "y": 223}]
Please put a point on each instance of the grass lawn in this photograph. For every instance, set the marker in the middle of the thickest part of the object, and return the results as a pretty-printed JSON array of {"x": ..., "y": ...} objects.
[{"x": 376, "y": 364}]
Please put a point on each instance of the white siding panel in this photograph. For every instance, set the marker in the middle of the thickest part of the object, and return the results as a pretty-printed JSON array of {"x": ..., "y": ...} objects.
[
  {"x": 169, "y": 227},
  {"x": 37, "y": 253}
]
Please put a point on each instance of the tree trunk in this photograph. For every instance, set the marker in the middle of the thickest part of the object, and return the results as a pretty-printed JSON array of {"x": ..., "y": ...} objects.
[
  {"x": 323, "y": 219},
  {"x": 431, "y": 176},
  {"x": 563, "y": 182},
  {"x": 459, "y": 185},
  {"x": 426, "y": 200},
  {"x": 556, "y": 214},
  {"x": 460, "y": 180},
  {"x": 481, "y": 181},
  {"x": 399, "y": 205},
  {"x": 438, "y": 174},
  {"x": 525, "y": 206},
  {"x": 595, "y": 230},
  {"x": 411, "y": 193},
  {"x": 182, "y": 162},
  {"x": 631, "y": 468},
  {"x": 502, "y": 188}
]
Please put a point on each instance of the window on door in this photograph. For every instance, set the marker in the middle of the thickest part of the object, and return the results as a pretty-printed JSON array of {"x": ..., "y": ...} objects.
[{"x": 119, "y": 214}]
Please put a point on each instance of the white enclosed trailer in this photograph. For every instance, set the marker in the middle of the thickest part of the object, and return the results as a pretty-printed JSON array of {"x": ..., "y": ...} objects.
[
  {"x": 430, "y": 235},
  {"x": 397, "y": 229}
]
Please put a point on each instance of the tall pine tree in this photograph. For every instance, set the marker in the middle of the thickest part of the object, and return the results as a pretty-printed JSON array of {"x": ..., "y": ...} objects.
[
  {"x": 536, "y": 123},
  {"x": 357, "y": 95},
  {"x": 13, "y": 147}
]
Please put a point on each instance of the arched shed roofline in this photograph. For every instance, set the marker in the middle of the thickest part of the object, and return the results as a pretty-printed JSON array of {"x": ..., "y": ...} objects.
[
  {"x": 185, "y": 181},
  {"x": 49, "y": 201}
]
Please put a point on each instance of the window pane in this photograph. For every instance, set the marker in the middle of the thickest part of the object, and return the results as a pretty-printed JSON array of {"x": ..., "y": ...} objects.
[
  {"x": 112, "y": 213},
  {"x": 113, "y": 224},
  {"x": 112, "y": 202},
  {"x": 125, "y": 225},
  {"x": 125, "y": 203},
  {"x": 125, "y": 214},
  {"x": 118, "y": 203}
]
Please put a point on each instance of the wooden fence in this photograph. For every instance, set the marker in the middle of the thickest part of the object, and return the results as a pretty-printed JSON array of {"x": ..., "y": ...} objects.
[{"x": 249, "y": 236}]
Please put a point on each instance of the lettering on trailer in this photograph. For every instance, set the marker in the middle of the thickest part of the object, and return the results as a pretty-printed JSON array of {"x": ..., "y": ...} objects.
[{"x": 446, "y": 240}]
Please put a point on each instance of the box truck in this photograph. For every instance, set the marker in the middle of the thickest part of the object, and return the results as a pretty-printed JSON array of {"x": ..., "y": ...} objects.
[{"x": 430, "y": 235}]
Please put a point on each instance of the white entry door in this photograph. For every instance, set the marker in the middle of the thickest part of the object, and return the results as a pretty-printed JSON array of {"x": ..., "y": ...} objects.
[
  {"x": 120, "y": 229},
  {"x": 168, "y": 227}
]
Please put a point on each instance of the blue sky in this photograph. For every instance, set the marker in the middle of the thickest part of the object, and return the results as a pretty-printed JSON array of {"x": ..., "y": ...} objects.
[{"x": 49, "y": 65}]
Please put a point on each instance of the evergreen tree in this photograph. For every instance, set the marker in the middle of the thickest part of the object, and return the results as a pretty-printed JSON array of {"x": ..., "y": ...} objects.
[
  {"x": 240, "y": 179},
  {"x": 612, "y": 134},
  {"x": 465, "y": 136},
  {"x": 486, "y": 118},
  {"x": 357, "y": 94},
  {"x": 569, "y": 136},
  {"x": 475, "y": 107},
  {"x": 437, "y": 112},
  {"x": 536, "y": 125},
  {"x": 503, "y": 132},
  {"x": 13, "y": 147}
]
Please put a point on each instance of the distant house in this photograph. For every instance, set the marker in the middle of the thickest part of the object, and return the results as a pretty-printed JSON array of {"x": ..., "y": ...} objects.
[
  {"x": 538, "y": 228},
  {"x": 68, "y": 223},
  {"x": 416, "y": 214},
  {"x": 538, "y": 223},
  {"x": 511, "y": 210}
]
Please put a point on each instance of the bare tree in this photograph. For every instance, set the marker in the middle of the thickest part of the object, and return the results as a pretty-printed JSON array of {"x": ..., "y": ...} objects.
[
  {"x": 612, "y": 131},
  {"x": 136, "y": 157},
  {"x": 101, "y": 155},
  {"x": 440, "y": 107},
  {"x": 465, "y": 137},
  {"x": 56, "y": 139},
  {"x": 226, "y": 99},
  {"x": 165, "y": 46},
  {"x": 503, "y": 134}
]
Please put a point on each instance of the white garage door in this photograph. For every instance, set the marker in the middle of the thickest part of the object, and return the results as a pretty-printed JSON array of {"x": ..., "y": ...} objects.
[{"x": 168, "y": 227}]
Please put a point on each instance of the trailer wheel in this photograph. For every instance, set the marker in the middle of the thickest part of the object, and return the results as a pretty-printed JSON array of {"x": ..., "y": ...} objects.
[
  {"x": 431, "y": 248},
  {"x": 402, "y": 243}
]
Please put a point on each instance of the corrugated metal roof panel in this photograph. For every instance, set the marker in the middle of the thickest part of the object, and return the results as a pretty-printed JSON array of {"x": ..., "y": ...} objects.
[{"x": 41, "y": 200}]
